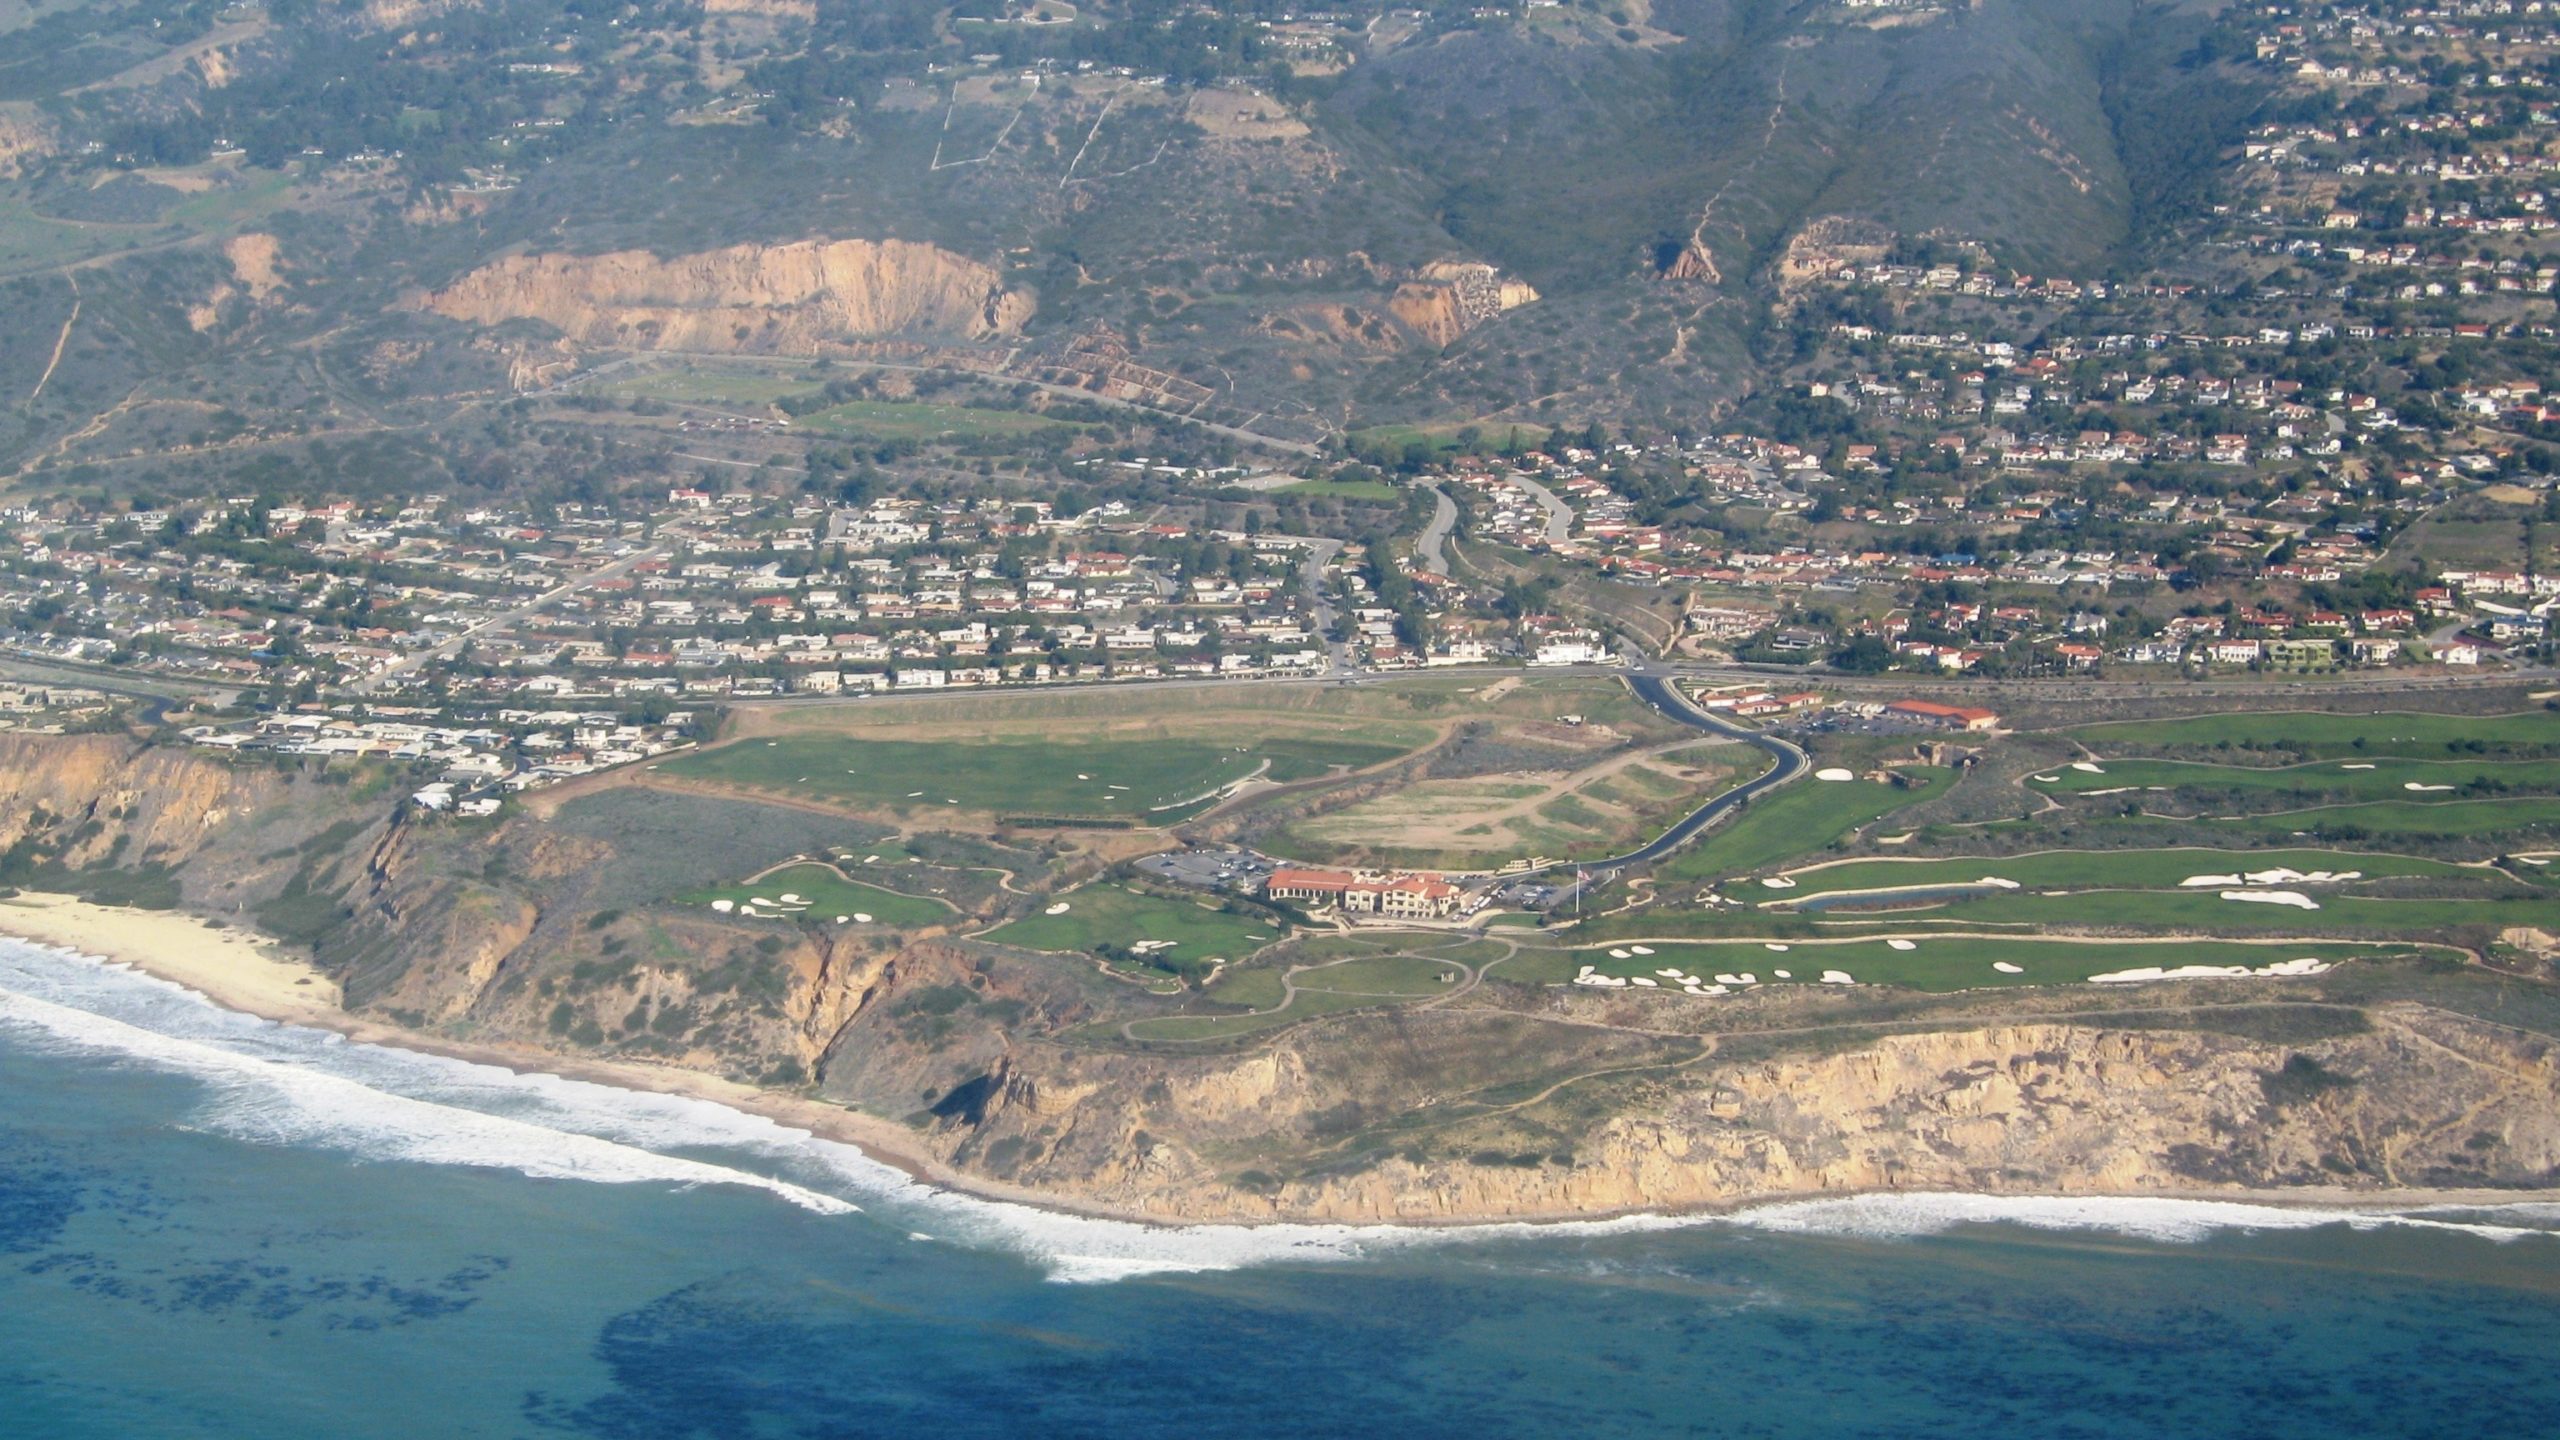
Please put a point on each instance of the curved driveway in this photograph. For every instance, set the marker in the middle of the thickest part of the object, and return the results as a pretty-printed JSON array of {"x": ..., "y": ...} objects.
[{"x": 1659, "y": 692}]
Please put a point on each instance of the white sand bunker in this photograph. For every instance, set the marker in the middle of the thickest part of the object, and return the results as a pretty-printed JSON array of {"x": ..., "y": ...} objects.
[
  {"x": 1834, "y": 772},
  {"x": 1646, "y": 981},
  {"x": 790, "y": 899},
  {"x": 2280, "y": 875},
  {"x": 1641, "y": 949},
  {"x": 1900, "y": 945},
  {"x": 1997, "y": 882},
  {"x": 2045, "y": 779},
  {"x": 1778, "y": 882},
  {"x": 1837, "y": 977},
  {"x": 1058, "y": 909},
  {"x": 842, "y": 919},
  {"x": 2085, "y": 768},
  {"x": 2005, "y": 968},
  {"x": 2356, "y": 767},
  {"x": 724, "y": 906},
  {"x": 1618, "y": 954},
  {"x": 2294, "y": 898},
  {"x": 1784, "y": 974},
  {"x": 1773, "y": 945},
  {"x": 861, "y": 917},
  {"x": 2424, "y": 789},
  {"x": 2307, "y": 965}
]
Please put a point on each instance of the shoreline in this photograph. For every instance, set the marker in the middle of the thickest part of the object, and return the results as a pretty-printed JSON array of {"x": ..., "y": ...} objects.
[{"x": 239, "y": 969}]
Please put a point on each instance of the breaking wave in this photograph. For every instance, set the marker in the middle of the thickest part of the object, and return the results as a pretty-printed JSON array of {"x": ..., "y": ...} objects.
[{"x": 280, "y": 1084}]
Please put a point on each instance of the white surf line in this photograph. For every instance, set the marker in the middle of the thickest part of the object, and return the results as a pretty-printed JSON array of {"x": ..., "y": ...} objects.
[
  {"x": 277, "y": 1102},
  {"x": 1112, "y": 100},
  {"x": 583, "y": 1130},
  {"x": 62, "y": 341}
]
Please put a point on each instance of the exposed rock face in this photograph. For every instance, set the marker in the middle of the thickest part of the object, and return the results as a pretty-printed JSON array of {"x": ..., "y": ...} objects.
[
  {"x": 768, "y": 299},
  {"x": 2425, "y": 1099},
  {"x": 1449, "y": 298}
]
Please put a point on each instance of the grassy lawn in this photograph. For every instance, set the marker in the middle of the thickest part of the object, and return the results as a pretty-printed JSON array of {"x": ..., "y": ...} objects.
[
  {"x": 1802, "y": 818},
  {"x": 1132, "y": 779},
  {"x": 2095, "y": 869},
  {"x": 828, "y": 897},
  {"x": 711, "y": 387},
  {"x": 2205, "y": 911},
  {"x": 1934, "y": 964},
  {"x": 2383, "y": 779},
  {"x": 1382, "y": 977},
  {"x": 1377, "y": 490},
  {"x": 2328, "y": 736},
  {"x": 1112, "y": 915},
  {"x": 905, "y": 420},
  {"x": 2402, "y": 819}
]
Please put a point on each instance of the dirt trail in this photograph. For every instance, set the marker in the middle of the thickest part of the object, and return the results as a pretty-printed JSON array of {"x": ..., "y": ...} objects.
[{"x": 60, "y": 342}]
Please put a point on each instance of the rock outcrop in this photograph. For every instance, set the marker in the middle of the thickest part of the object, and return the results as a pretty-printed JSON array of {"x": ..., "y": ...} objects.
[
  {"x": 1449, "y": 298},
  {"x": 767, "y": 299},
  {"x": 2424, "y": 1099}
]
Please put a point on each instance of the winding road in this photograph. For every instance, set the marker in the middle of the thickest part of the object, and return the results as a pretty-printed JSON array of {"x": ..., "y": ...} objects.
[
  {"x": 1656, "y": 688},
  {"x": 1444, "y": 518}
]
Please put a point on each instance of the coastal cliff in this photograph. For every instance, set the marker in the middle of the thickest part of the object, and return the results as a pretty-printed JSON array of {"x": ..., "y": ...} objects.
[{"x": 561, "y": 934}]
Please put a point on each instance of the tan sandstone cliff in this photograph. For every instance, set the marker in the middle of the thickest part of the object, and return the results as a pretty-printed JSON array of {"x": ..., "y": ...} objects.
[{"x": 769, "y": 299}]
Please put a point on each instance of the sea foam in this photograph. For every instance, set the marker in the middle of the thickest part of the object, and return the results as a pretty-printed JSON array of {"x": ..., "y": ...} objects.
[{"x": 283, "y": 1084}]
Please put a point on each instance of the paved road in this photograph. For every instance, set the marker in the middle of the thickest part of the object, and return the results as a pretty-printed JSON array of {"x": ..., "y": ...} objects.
[
  {"x": 1444, "y": 518},
  {"x": 1657, "y": 689},
  {"x": 1559, "y": 514},
  {"x": 454, "y": 646}
]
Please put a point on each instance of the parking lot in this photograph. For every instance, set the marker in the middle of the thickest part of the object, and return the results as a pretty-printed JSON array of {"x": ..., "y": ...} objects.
[{"x": 1210, "y": 869}]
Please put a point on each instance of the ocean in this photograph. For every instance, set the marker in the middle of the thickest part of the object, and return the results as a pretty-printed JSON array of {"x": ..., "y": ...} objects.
[{"x": 211, "y": 1225}]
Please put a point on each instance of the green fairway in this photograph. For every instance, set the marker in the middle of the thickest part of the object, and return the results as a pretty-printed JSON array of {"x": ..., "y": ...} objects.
[
  {"x": 1934, "y": 964},
  {"x": 2384, "y": 779},
  {"x": 2093, "y": 869},
  {"x": 2389, "y": 820},
  {"x": 2329, "y": 736},
  {"x": 1382, "y": 977},
  {"x": 1133, "y": 779},
  {"x": 1802, "y": 818},
  {"x": 2206, "y": 912},
  {"x": 1115, "y": 921},
  {"x": 827, "y": 894}
]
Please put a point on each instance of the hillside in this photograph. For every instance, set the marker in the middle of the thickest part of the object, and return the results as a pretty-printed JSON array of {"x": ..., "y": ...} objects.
[{"x": 1469, "y": 218}]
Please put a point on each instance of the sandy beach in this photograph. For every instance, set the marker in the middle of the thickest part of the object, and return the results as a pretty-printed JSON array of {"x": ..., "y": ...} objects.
[{"x": 240, "y": 969}]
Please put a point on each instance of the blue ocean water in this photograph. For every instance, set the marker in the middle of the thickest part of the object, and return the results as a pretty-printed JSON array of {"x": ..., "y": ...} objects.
[{"x": 214, "y": 1226}]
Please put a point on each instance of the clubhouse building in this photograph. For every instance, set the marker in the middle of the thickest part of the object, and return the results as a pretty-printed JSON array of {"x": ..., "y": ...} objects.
[{"x": 1365, "y": 892}]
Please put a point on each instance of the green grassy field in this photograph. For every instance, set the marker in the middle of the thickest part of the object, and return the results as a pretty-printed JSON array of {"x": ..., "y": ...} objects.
[
  {"x": 2389, "y": 820},
  {"x": 2330, "y": 736},
  {"x": 829, "y": 896},
  {"x": 1156, "y": 779},
  {"x": 2383, "y": 779},
  {"x": 1798, "y": 820},
  {"x": 1936, "y": 964},
  {"x": 907, "y": 420},
  {"x": 2093, "y": 869},
  {"x": 2206, "y": 912},
  {"x": 1377, "y": 490},
  {"x": 1099, "y": 915}
]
